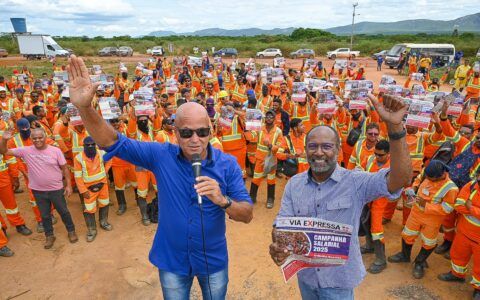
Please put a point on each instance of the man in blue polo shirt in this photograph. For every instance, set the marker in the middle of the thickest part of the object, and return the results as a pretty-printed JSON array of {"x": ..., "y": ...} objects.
[{"x": 190, "y": 239}]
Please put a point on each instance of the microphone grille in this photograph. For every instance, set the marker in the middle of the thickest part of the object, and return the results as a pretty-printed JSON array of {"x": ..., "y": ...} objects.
[{"x": 196, "y": 157}]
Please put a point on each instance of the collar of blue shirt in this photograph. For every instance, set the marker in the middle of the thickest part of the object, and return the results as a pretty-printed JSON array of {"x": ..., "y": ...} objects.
[
  {"x": 336, "y": 175},
  {"x": 211, "y": 156}
]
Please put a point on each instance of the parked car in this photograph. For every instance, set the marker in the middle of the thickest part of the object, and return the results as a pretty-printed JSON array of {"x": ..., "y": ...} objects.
[
  {"x": 303, "y": 53},
  {"x": 3, "y": 52},
  {"x": 108, "y": 51},
  {"x": 342, "y": 53},
  {"x": 156, "y": 51},
  {"x": 125, "y": 51},
  {"x": 226, "y": 52},
  {"x": 381, "y": 53},
  {"x": 270, "y": 52}
]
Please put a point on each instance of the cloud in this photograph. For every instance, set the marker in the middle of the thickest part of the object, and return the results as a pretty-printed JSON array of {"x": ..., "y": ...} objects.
[{"x": 133, "y": 17}]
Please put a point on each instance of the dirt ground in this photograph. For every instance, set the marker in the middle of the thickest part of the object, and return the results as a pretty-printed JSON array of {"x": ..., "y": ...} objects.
[{"x": 116, "y": 266}]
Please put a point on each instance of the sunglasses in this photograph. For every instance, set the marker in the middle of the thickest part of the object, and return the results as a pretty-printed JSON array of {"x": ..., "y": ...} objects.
[
  {"x": 269, "y": 116},
  {"x": 114, "y": 120},
  {"x": 380, "y": 154},
  {"x": 324, "y": 146},
  {"x": 186, "y": 133},
  {"x": 170, "y": 122},
  {"x": 373, "y": 134}
]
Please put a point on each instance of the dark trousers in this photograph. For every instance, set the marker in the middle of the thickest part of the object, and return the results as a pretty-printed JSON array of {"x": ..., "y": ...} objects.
[{"x": 45, "y": 200}]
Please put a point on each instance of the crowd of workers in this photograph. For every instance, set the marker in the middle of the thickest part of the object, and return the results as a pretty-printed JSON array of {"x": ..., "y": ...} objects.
[{"x": 442, "y": 197}]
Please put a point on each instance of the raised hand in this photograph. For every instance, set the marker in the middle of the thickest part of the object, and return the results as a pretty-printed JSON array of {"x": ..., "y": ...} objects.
[
  {"x": 8, "y": 134},
  {"x": 81, "y": 89},
  {"x": 391, "y": 110}
]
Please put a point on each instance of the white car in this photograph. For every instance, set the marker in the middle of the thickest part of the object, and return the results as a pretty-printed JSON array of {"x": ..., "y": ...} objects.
[
  {"x": 270, "y": 52},
  {"x": 156, "y": 51}
]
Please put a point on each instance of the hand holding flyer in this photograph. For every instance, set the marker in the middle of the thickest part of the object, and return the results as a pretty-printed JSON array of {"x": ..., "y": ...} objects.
[
  {"x": 253, "y": 119},
  {"x": 419, "y": 113},
  {"x": 312, "y": 243},
  {"x": 109, "y": 108},
  {"x": 74, "y": 114},
  {"x": 299, "y": 92},
  {"x": 326, "y": 102}
]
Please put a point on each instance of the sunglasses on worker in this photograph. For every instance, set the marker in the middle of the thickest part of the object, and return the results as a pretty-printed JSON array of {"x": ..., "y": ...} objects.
[
  {"x": 380, "y": 154},
  {"x": 324, "y": 146},
  {"x": 186, "y": 133},
  {"x": 373, "y": 133}
]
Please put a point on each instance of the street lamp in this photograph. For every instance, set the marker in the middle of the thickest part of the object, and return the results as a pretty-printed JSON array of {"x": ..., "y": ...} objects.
[{"x": 353, "y": 22}]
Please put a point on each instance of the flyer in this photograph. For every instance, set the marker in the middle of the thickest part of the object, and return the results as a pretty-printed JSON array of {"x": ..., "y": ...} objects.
[
  {"x": 97, "y": 69},
  {"x": 74, "y": 114},
  {"x": 217, "y": 60},
  {"x": 194, "y": 61},
  {"x": 312, "y": 243},
  {"x": 455, "y": 100},
  {"x": 394, "y": 90},
  {"x": 359, "y": 84},
  {"x": 299, "y": 92},
  {"x": 327, "y": 103},
  {"x": 419, "y": 113},
  {"x": 310, "y": 62},
  {"x": 266, "y": 74},
  {"x": 109, "y": 108},
  {"x": 253, "y": 119},
  {"x": 418, "y": 92},
  {"x": 314, "y": 85},
  {"x": 417, "y": 76},
  {"x": 226, "y": 117},
  {"x": 144, "y": 102},
  {"x": 279, "y": 62},
  {"x": 60, "y": 77},
  {"x": 5, "y": 115},
  {"x": 340, "y": 64},
  {"x": 171, "y": 86},
  {"x": 278, "y": 75},
  {"x": 385, "y": 82}
]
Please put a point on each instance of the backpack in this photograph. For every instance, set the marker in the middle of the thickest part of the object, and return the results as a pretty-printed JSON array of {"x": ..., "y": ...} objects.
[
  {"x": 445, "y": 152},
  {"x": 290, "y": 165},
  {"x": 355, "y": 134},
  {"x": 152, "y": 210},
  {"x": 460, "y": 167}
]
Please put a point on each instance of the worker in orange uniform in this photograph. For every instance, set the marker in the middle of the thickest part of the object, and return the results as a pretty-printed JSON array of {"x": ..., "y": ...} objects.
[
  {"x": 122, "y": 90},
  {"x": 364, "y": 146},
  {"x": 7, "y": 171},
  {"x": 91, "y": 178},
  {"x": 21, "y": 139},
  {"x": 270, "y": 140},
  {"x": 374, "y": 237},
  {"x": 123, "y": 172},
  {"x": 4, "y": 250},
  {"x": 435, "y": 199},
  {"x": 467, "y": 240},
  {"x": 412, "y": 64},
  {"x": 141, "y": 128},
  {"x": 10, "y": 105},
  {"x": 239, "y": 91},
  {"x": 293, "y": 146},
  {"x": 304, "y": 110},
  {"x": 473, "y": 86},
  {"x": 167, "y": 135}
]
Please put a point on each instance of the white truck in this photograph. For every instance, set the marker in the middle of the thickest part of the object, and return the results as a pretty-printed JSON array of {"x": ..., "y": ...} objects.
[
  {"x": 36, "y": 46},
  {"x": 342, "y": 53}
]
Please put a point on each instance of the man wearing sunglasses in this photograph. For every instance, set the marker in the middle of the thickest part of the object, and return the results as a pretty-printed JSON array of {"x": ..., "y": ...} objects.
[
  {"x": 179, "y": 250},
  {"x": 167, "y": 134},
  {"x": 364, "y": 146},
  {"x": 330, "y": 192}
]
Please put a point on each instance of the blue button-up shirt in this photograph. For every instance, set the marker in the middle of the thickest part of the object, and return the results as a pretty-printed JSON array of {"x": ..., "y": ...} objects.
[
  {"x": 340, "y": 198},
  {"x": 177, "y": 246}
]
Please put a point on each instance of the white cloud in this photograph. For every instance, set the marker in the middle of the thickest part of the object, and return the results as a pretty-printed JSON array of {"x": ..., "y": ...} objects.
[{"x": 120, "y": 17}]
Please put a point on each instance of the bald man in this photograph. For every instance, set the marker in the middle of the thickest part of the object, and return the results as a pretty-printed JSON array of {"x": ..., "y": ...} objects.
[{"x": 188, "y": 243}]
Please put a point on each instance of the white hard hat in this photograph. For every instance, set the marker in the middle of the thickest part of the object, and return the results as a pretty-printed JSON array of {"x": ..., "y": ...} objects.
[{"x": 2, "y": 89}]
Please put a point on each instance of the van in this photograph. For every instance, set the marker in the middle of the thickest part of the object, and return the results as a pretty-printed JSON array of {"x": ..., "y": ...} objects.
[{"x": 441, "y": 54}]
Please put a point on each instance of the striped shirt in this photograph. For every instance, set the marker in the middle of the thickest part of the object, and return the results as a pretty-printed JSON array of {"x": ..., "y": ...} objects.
[{"x": 340, "y": 199}]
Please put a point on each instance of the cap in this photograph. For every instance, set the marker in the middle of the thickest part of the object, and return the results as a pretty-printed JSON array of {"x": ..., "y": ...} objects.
[
  {"x": 88, "y": 140},
  {"x": 222, "y": 94},
  {"x": 270, "y": 112},
  {"x": 23, "y": 123},
  {"x": 436, "y": 168}
]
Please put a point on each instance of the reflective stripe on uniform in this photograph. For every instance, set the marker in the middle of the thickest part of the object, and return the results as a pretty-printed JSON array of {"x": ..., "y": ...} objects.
[
  {"x": 440, "y": 194},
  {"x": 475, "y": 282},
  {"x": 103, "y": 201},
  {"x": 447, "y": 207},
  {"x": 11, "y": 211},
  {"x": 427, "y": 241},
  {"x": 90, "y": 206},
  {"x": 409, "y": 232},
  {"x": 377, "y": 236},
  {"x": 235, "y": 135},
  {"x": 459, "y": 269},
  {"x": 84, "y": 173}
]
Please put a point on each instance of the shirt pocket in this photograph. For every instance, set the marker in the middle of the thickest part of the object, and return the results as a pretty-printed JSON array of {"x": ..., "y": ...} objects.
[
  {"x": 303, "y": 207},
  {"x": 341, "y": 209}
]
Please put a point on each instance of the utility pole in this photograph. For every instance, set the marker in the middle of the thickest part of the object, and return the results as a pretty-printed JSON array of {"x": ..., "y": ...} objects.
[{"x": 353, "y": 23}]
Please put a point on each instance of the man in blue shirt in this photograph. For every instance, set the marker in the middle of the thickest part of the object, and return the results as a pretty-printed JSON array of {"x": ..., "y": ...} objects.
[
  {"x": 330, "y": 192},
  {"x": 190, "y": 239}
]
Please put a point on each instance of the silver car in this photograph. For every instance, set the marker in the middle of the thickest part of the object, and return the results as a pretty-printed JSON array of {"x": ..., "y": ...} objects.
[{"x": 125, "y": 51}]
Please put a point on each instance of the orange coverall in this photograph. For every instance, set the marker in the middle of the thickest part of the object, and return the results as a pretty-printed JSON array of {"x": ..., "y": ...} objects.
[
  {"x": 265, "y": 137},
  {"x": 7, "y": 171}
]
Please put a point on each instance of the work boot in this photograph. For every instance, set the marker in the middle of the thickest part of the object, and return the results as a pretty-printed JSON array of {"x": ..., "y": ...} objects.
[
  {"x": 270, "y": 195},
  {"x": 23, "y": 230},
  {"x": 122, "y": 203},
  {"x": 450, "y": 277},
  {"x": 72, "y": 237},
  {"x": 103, "y": 218},
  {"x": 49, "y": 241},
  {"x": 421, "y": 263},
  {"x": 476, "y": 294},
  {"x": 253, "y": 192},
  {"x": 443, "y": 248},
  {"x": 142, "y": 204},
  {"x": 368, "y": 247},
  {"x": 91, "y": 226},
  {"x": 380, "y": 262},
  {"x": 40, "y": 228},
  {"x": 6, "y": 252},
  {"x": 402, "y": 256}
]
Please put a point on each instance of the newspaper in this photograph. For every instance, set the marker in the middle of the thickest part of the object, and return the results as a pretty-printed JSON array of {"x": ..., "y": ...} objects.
[
  {"x": 340, "y": 64},
  {"x": 418, "y": 92},
  {"x": 299, "y": 92},
  {"x": 312, "y": 243},
  {"x": 326, "y": 102},
  {"x": 314, "y": 85},
  {"x": 5, "y": 115},
  {"x": 394, "y": 90},
  {"x": 419, "y": 113},
  {"x": 97, "y": 69},
  {"x": 359, "y": 84},
  {"x": 253, "y": 119},
  {"x": 171, "y": 86},
  {"x": 279, "y": 62},
  {"x": 310, "y": 62},
  {"x": 266, "y": 74},
  {"x": 195, "y": 61},
  {"x": 60, "y": 77},
  {"x": 144, "y": 102},
  {"x": 278, "y": 75},
  {"x": 385, "y": 82},
  {"x": 456, "y": 101},
  {"x": 109, "y": 108},
  {"x": 74, "y": 114},
  {"x": 226, "y": 117},
  {"x": 217, "y": 60}
]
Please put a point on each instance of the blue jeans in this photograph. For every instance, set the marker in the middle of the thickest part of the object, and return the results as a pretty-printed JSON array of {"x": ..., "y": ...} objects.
[
  {"x": 310, "y": 293},
  {"x": 177, "y": 287}
]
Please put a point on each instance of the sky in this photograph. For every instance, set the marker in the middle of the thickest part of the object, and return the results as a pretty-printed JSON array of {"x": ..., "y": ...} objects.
[{"x": 129, "y": 17}]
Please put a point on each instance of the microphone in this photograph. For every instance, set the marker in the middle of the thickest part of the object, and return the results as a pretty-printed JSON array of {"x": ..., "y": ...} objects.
[{"x": 197, "y": 168}]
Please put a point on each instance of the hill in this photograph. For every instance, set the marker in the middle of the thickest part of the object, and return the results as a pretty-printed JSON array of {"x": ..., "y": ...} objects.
[{"x": 227, "y": 32}]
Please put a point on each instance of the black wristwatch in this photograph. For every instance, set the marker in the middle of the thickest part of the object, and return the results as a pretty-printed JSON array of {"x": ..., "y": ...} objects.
[
  {"x": 397, "y": 135},
  {"x": 229, "y": 203}
]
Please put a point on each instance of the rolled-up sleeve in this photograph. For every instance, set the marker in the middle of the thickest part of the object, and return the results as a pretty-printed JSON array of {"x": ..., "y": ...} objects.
[
  {"x": 371, "y": 186},
  {"x": 143, "y": 154}
]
